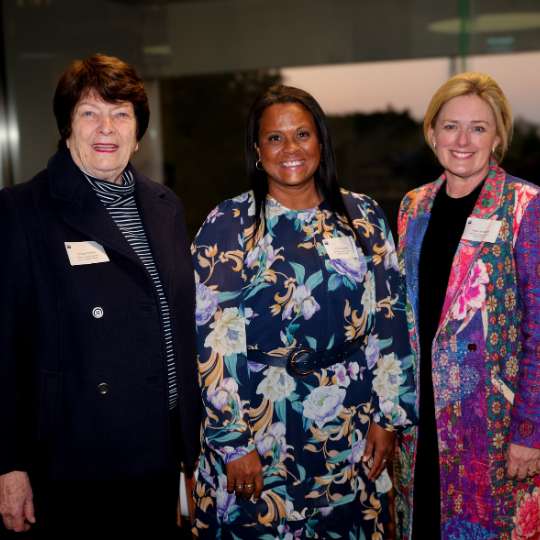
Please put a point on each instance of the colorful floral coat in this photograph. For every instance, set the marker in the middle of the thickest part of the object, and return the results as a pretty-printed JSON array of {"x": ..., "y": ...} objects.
[
  {"x": 485, "y": 354},
  {"x": 281, "y": 293}
]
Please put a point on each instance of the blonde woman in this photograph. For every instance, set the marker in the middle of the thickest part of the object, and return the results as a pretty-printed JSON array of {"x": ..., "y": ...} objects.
[{"x": 469, "y": 244}]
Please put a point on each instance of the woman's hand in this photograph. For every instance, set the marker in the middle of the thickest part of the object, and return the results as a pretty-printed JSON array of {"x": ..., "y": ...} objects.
[
  {"x": 244, "y": 475},
  {"x": 379, "y": 448},
  {"x": 522, "y": 461},
  {"x": 16, "y": 505}
]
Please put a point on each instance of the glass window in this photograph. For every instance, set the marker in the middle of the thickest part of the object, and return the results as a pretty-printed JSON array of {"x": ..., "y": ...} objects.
[{"x": 373, "y": 66}]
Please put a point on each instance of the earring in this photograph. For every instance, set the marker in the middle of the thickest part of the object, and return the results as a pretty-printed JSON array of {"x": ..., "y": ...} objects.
[
  {"x": 259, "y": 165},
  {"x": 434, "y": 144}
]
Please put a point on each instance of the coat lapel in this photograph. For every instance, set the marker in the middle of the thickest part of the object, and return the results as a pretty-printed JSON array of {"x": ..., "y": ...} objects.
[
  {"x": 467, "y": 253},
  {"x": 80, "y": 208},
  {"x": 421, "y": 203},
  {"x": 158, "y": 212},
  {"x": 83, "y": 211}
]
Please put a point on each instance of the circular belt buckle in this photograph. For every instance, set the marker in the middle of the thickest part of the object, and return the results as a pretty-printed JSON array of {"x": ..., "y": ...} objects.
[{"x": 298, "y": 363}]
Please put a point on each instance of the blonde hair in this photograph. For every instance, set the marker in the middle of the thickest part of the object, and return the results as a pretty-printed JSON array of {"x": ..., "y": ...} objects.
[{"x": 483, "y": 86}]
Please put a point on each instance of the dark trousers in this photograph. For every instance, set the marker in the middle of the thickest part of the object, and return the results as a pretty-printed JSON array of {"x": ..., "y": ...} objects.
[
  {"x": 427, "y": 500},
  {"x": 143, "y": 507}
]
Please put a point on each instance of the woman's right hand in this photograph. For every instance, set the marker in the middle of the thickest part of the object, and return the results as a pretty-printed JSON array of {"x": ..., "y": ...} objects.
[
  {"x": 244, "y": 475},
  {"x": 16, "y": 505}
]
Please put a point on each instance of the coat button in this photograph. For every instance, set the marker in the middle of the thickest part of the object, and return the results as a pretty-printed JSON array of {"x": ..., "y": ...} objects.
[
  {"x": 471, "y": 346},
  {"x": 103, "y": 388},
  {"x": 97, "y": 312}
]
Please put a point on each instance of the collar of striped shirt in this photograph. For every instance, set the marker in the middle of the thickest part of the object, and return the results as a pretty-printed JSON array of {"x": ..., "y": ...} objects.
[
  {"x": 126, "y": 188},
  {"x": 111, "y": 194}
]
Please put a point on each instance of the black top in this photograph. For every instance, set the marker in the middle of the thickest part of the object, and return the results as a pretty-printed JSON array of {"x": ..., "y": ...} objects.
[
  {"x": 444, "y": 230},
  {"x": 445, "y": 227}
]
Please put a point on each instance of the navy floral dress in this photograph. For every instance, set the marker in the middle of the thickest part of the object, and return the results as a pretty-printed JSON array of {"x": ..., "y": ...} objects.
[{"x": 282, "y": 292}]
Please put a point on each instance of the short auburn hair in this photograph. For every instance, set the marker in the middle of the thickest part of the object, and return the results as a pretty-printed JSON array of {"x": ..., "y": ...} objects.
[
  {"x": 111, "y": 78},
  {"x": 487, "y": 89}
]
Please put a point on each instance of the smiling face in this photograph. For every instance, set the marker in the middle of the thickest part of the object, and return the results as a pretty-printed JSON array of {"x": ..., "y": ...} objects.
[
  {"x": 464, "y": 136},
  {"x": 290, "y": 153},
  {"x": 103, "y": 136}
]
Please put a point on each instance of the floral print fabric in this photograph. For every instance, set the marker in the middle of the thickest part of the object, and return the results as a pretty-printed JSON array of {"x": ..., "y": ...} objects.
[
  {"x": 486, "y": 351},
  {"x": 279, "y": 294}
]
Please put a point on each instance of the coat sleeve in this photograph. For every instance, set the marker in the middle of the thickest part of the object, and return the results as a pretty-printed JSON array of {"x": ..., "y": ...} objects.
[
  {"x": 221, "y": 336},
  {"x": 388, "y": 350},
  {"x": 525, "y": 426},
  {"x": 15, "y": 339}
]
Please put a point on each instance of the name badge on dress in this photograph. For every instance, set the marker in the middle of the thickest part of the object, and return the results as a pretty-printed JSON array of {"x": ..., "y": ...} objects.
[
  {"x": 341, "y": 247},
  {"x": 482, "y": 230},
  {"x": 89, "y": 252}
]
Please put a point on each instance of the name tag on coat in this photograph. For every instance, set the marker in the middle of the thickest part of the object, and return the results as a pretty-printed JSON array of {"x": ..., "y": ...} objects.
[
  {"x": 341, "y": 247},
  {"x": 482, "y": 230},
  {"x": 503, "y": 388},
  {"x": 89, "y": 252}
]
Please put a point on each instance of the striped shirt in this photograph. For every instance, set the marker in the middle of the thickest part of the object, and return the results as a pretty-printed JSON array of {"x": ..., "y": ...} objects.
[{"x": 120, "y": 202}]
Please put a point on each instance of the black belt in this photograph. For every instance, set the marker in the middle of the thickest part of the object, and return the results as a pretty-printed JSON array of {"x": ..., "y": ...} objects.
[{"x": 303, "y": 361}]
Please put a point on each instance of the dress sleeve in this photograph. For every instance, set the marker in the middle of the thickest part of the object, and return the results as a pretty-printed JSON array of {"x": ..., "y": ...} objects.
[
  {"x": 525, "y": 426},
  {"x": 402, "y": 224},
  {"x": 16, "y": 326},
  {"x": 388, "y": 350},
  {"x": 221, "y": 335}
]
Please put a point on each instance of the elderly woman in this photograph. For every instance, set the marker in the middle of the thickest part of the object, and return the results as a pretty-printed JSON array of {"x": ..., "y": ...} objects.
[
  {"x": 471, "y": 252},
  {"x": 304, "y": 356},
  {"x": 96, "y": 327}
]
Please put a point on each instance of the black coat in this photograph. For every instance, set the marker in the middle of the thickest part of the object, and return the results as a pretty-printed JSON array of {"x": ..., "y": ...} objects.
[{"x": 83, "y": 396}]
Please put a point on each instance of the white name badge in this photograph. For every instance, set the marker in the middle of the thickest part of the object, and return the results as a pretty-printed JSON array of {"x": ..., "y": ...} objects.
[
  {"x": 503, "y": 388},
  {"x": 342, "y": 247},
  {"x": 85, "y": 253},
  {"x": 482, "y": 230}
]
